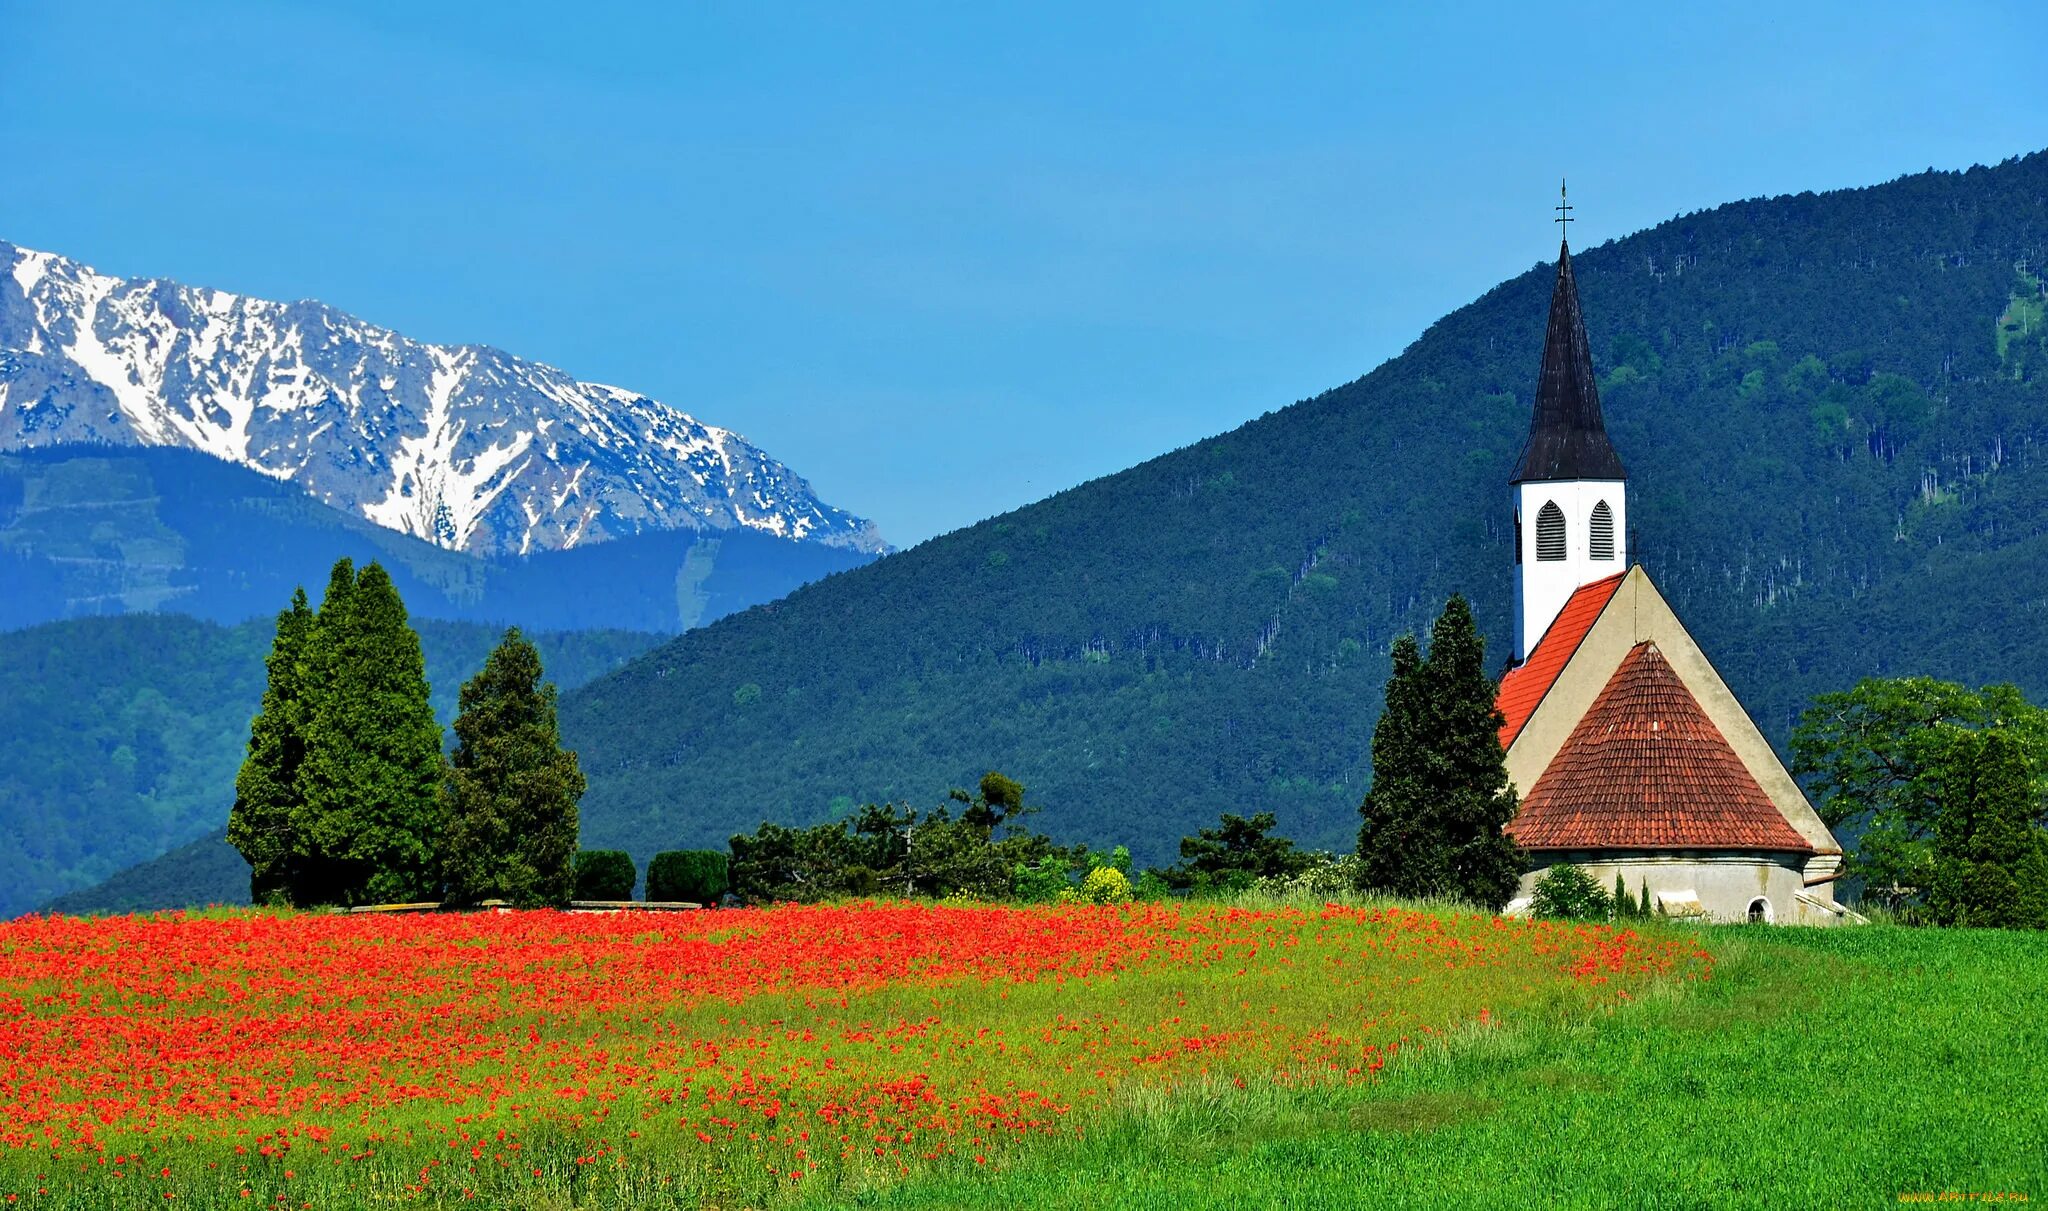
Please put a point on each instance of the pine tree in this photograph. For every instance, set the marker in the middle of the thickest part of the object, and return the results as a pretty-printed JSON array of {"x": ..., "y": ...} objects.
[
  {"x": 1398, "y": 853},
  {"x": 259, "y": 821},
  {"x": 1440, "y": 791},
  {"x": 369, "y": 805},
  {"x": 1624, "y": 903},
  {"x": 513, "y": 789},
  {"x": 1643, "y": 905}
]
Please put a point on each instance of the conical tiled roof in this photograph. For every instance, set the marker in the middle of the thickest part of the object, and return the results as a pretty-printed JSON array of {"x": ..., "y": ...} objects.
[
  {"x": 1647, "y": 769},
  {"x": 1567, "y": 439}
]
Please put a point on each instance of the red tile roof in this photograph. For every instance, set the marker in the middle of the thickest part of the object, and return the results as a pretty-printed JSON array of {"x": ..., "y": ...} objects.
[
  {"x": 1526, "y": 684},
  {"x": 1647, "y": 769}
]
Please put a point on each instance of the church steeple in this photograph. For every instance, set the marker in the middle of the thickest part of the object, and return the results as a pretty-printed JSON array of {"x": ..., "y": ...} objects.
[
  {"x": 1567, "y": 439},
  {"x": 1571, "y": 506}
]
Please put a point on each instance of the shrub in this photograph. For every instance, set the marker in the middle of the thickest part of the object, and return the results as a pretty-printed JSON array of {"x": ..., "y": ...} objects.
[
  {"x": 1326, "y": 874},
  {"x": 1041, "y": 883},
  {"x": 1106, "y": 885},
  {"x": 605, "y": 874},
  {"x": 1567, "y": 891},
  {"x": 697, "y": 876}
]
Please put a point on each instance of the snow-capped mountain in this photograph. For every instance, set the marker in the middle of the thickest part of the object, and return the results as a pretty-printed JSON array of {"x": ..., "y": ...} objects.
[{"x": 464, "y": 445}]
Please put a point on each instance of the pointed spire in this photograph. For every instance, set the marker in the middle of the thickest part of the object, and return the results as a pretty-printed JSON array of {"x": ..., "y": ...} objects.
[{"x": 1567, "y": 439}]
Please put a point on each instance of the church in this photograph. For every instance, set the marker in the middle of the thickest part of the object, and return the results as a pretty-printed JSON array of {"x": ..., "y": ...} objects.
[{"x": 1628, "y": 752}]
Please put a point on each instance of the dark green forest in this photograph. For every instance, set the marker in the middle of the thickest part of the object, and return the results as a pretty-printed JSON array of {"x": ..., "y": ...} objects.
[
  {"x": 1832, "y": 407},
  {"x": 120, "y": 736}
]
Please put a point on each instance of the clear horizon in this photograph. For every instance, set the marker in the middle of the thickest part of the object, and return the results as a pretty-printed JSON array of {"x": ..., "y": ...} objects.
[{"x": 949, "y": 263}]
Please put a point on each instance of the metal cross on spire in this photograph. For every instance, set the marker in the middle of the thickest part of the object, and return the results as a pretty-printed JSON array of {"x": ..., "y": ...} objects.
[{"x": 1563, "y": 209}]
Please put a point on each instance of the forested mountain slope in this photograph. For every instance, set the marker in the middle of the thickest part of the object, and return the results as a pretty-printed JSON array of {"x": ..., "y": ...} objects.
[
  {"x": 106, "y": 530},
  {"x": 1833, "y": 408},
  {"x": 120, "y": 737}
]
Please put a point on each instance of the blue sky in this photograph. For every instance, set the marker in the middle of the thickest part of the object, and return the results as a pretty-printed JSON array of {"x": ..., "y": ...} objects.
[{"x": 948, "y": 259}]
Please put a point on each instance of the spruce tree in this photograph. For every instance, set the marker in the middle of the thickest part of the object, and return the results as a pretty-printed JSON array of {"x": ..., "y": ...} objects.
[
  {"x": 1398, "y": 853},
  {"x": 259, "y": 822},
  {"x": 1440, "y": 792},
  {"x": 1624, "y": 904},
  {"x": 371, "y": 782},
  {"x": 513, "y": 788}
]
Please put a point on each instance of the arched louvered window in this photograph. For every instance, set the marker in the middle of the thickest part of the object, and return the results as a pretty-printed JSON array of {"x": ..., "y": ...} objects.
[
  {"x": 1600, "y": 544},
  {"x": 1549, "y": 532},
  {"x": 1518, "y": 538}
]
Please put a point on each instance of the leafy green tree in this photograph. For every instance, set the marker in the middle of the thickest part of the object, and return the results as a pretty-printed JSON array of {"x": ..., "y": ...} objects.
[
  {"x": 1041, "y": 882},
  {"x": 259, "y": 822},
  {"x": 893, "y": 849},
  {"x": 513, "y": 789},
  {"x": 1440, "y": 794},
  {"x": 693, "y": 876},
  {"x": 368, "y": 822},
  {"x": 1878, "y": 758},
  {"x": 603, "y": 874},
  {"x": 1990, "y": 861},
  {"x": 1234, "y": 854}
]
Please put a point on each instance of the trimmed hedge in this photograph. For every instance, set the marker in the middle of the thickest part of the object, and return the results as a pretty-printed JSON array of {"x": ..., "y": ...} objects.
[
  {"x": 605, "y": 874},
  {"x": 696, "y": 876}
]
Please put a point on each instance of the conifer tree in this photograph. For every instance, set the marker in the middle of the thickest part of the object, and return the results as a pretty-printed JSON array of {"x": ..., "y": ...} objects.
[
  {"x": 369, "y": 811},
  {"x": 513, "y": 788},
  {"x": 259, "y": 822},
  {"x": 1476, "y": 799},
  {"x": 1988, "y": 856},
  {"x": 1624, "y": 903},
  {"x": 1435, "y": 828},
  {"x": 1398, "y": 853}
]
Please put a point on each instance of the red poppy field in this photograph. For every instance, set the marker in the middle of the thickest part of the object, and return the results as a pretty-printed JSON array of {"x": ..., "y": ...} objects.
[{"x": 747, "y": 1057}]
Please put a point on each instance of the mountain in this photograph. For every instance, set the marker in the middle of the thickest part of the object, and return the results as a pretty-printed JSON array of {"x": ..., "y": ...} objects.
[
  {"x": 466, "y": 446},
  {"x": 120, "y": 737},
  {"x": 1833, "y": 408},
  {"x": 98, "y": 529}
]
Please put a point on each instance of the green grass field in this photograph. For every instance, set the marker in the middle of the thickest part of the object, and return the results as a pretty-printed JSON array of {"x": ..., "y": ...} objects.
[
  {"x": 928, "y": 1056},
  {"x": 1840, "y": 1068}
]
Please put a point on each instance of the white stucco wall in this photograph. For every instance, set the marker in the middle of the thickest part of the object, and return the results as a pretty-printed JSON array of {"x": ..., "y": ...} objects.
[
  {"x": 1542, "y": 587},
  {"x": 1725, "y": 884}
]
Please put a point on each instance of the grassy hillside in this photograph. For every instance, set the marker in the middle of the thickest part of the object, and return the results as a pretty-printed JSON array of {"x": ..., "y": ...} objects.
[
  {"x": 1833, "y": 408},
  {"x": 120, "y": 737}
]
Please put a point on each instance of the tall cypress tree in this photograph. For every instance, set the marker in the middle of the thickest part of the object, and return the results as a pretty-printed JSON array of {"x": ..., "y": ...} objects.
[
  {"x": 1440, "y": 792},
  {"x": 1398, "y": 852},
  {"x": 513, "y": 789},
  {"x": 260, "y": 820},
  {"x": 1474, "y": 800},
  {"x": 370, "y": 786}
]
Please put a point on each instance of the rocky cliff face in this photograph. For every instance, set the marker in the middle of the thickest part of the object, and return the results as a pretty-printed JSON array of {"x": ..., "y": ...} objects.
[{"x": 466, "y": 446}]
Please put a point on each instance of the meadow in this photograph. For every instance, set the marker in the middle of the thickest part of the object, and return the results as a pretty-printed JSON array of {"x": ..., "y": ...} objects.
[{"x": 931, "y": 1055}]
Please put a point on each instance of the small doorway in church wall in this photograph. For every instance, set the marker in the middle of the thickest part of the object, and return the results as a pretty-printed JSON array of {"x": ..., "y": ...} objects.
[{"x": 1760, "y": 911}]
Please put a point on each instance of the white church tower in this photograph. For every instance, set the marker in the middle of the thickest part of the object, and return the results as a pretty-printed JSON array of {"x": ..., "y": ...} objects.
[{"x": 1571, "y": 506}]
